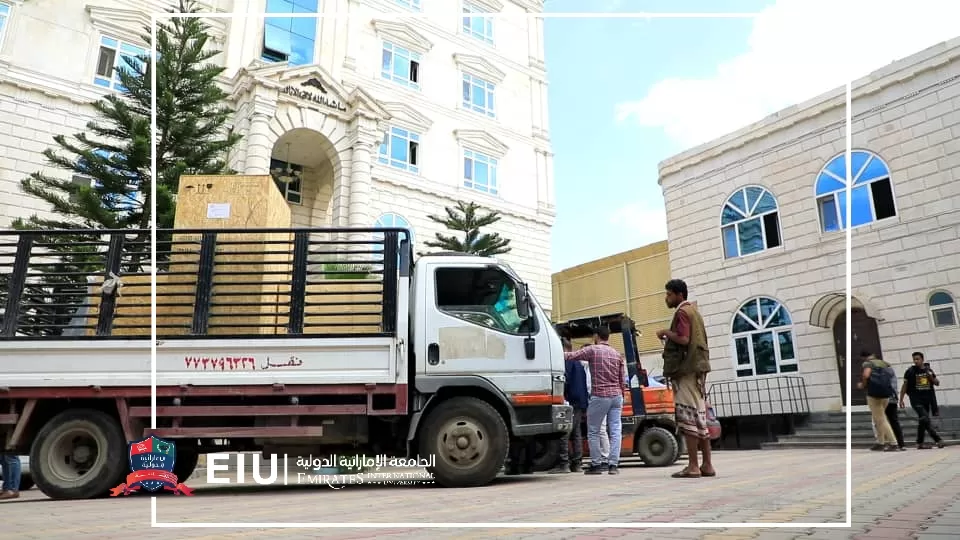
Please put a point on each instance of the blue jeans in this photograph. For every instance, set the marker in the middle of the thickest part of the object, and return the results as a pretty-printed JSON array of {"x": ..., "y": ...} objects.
[
  {"x": 598, "y": 409},
  {"x": 11, "y": 472}
]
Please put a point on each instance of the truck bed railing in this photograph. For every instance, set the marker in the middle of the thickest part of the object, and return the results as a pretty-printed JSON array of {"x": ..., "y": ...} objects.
[{"x": 229, "y": 283}]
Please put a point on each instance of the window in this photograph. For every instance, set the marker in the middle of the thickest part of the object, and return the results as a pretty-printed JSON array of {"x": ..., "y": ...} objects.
[
  {"x": 479, "y": 172},
  {"x": 124, "y": 199},
  {"x": 287, "y": 39},
  {"x": 401, "y": 149},
  {"x": 871, "y": 195},
  {"x": 478, "y": 26},
  {"x": 4, "y": 17},
  {"x": 943, "y": 309},
  {"x": 116, "y": 55},
  {"x": 750, "y": 222},
  {"x": 401, "y": 65},
  {"x": 478, "y": 95},
  {"x": 394, "y": 221},
  {"x": 483, "y": 296},
  {"x": 289, "y": 180},
  {"x": 763, "y": 337},
  {"x": 409, "y": 4}
]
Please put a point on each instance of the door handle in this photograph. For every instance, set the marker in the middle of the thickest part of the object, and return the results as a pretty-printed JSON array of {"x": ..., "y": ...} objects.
[{"x": 433, "y": 354}]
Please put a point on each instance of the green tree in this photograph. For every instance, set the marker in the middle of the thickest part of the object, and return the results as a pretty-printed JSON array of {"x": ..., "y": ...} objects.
[
  {"x": 108, "y": 185},
  {"x": 467, "y": 219}
]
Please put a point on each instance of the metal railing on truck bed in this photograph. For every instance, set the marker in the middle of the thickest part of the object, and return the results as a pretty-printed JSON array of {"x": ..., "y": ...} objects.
[{"x": 229, "y": 283}]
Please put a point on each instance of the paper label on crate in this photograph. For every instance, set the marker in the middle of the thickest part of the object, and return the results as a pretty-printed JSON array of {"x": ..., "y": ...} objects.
[{"x": 218, "y": 210}]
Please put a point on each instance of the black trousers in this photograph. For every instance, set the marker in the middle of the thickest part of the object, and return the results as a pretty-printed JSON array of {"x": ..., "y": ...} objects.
[
  {"x": 923, "y": 409},
  {"x": 893, "y": 416},
  {"x": 576, "y": 437}
]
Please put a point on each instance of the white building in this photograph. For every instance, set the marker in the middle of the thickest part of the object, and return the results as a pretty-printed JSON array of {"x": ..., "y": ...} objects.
[
  {"x": 754, "y": 228},
  {"x": 383, "y": 120}
]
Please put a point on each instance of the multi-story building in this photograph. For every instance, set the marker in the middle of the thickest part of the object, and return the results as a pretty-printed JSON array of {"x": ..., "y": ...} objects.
[
  {"x": 629, "y": 283},
  {"x": 757, "y": 229},
  {"x": 365, "y": 118}
]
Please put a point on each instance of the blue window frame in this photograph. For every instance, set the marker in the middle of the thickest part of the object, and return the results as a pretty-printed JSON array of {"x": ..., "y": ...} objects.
[
  {"x": 750, "y": 222},
  {"x": 289, "y": 180},
  {"x": 390, "y": 221},
  {"x": 477, "y": 23},
  {"x": 115, "y": 55},
  {"x": 763, "y": 338},
  {"x": 401, "y": 149},
  {"x": 871, "y": 196},
  {"x": 479, "y": 172},
  {"x": 288, "y": 39},
  {"x": 400, "y": 65},
  {"x": 130, "y": 199},
  {"x": 478, "y": 95},
  {"x": 4, "y": 17},
  {"x": 409, "y": 4}
]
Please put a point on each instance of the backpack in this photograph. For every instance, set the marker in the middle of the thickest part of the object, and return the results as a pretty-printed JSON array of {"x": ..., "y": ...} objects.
[{"x": 880, "y": 383}]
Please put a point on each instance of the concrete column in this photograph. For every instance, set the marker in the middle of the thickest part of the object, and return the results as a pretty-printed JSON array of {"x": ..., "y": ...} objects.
[
  {"x": 361, "y": 184},
  {"x": 259, "y": 145}
]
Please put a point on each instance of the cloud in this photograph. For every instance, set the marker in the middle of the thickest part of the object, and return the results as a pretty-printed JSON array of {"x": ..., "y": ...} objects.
[
  {"x": 798, "y": 49},
  {"x": 641, "y": 223}
]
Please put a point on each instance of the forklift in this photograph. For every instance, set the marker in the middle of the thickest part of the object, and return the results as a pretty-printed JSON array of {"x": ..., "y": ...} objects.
[{"x": 648, "y": 417}]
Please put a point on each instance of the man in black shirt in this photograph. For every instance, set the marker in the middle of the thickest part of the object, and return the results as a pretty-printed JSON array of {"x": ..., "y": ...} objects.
[{"x": 918, "y": 383}]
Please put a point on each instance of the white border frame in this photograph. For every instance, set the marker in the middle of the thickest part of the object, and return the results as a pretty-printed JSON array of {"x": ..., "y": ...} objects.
[{"x": 848, "y": 523}]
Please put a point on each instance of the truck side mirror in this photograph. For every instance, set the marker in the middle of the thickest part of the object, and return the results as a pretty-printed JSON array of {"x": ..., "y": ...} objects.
[
  {"x": 530, "y": 348},
  {"x": 523, "y": 301}
]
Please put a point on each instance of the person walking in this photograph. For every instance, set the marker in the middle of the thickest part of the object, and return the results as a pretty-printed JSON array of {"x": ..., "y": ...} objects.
[
  {"x": 918, "y": 383},
  {"x": 576, "y": 394},
  {"x": 607, "y": 386},
  {"x": 876, "y": 379},
  {"x": 892, "y": 412},
  {"x": 686, "y": 364},
  {"x": 10, "y": 466}
]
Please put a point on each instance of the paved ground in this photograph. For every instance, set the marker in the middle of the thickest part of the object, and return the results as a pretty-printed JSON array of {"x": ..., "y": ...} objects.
[{"x": 905, "y": 495}]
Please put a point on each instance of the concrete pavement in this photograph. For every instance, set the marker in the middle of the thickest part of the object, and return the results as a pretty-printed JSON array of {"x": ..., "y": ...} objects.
[{"x": 896, "y": 496}]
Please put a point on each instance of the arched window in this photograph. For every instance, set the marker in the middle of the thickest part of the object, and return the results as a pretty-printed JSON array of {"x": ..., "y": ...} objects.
[
  {"x": 750, "y": 222},
  {"x": 871, "y": 196},
  {"x": 763, "y": 337},
  {"x": 391, "y": 220},
  {"x": 943, "y": 309}
]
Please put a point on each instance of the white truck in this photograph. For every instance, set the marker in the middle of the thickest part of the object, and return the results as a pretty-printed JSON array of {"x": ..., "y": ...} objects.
[{"x": 266, "y": 340}]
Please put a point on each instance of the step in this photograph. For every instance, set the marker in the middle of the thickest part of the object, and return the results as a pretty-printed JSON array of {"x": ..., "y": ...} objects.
[
  {"x": 828, "y": 444},
  {"x": 832, "y": 433}
]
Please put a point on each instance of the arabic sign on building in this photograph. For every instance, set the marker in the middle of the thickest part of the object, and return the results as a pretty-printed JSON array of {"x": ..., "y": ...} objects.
[
  {"x": 238, "y": 363},
  {"x": 320, "y": 96}
]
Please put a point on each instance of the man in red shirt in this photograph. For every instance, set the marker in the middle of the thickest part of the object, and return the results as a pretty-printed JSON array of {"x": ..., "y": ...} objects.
[{"x": 607, "y": 384}]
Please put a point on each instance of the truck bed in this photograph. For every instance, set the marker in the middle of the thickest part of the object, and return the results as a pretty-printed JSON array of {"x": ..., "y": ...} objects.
[{"x": 72, "y": 363}]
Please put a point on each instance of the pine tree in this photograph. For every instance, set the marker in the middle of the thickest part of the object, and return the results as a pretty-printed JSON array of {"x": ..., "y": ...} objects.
[
  {"x": 113, "y": 160},
  {"x": 468, "y": 219}
]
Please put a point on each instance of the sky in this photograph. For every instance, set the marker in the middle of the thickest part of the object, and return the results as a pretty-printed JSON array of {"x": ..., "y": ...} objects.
[{"x": 625, "y": 94}]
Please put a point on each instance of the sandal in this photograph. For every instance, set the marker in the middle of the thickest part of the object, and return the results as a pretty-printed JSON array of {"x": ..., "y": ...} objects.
[
  {"x": 685, "y": 473},
  {"x": 706, "y": 474}
]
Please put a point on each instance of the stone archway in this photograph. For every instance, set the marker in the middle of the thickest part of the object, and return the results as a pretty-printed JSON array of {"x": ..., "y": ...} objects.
[{"x": 304, "y": 164}]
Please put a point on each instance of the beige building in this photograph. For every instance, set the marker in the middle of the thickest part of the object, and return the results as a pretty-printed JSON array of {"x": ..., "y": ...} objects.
[
  {"x": 630, "y": 283},
  {"x": 755, "y": 228}
]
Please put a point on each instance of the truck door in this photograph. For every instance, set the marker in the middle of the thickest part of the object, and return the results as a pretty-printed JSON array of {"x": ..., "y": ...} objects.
[{"x": 473, "y": 328}]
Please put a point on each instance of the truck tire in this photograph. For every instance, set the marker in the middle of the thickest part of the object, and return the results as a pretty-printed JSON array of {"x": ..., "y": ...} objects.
[
  {"x": 79, "y": 454},
  {"x": 467, "y": 441},
  {"x": 548, "y": 455},
  {"x": 186, "y": 463},
  {"x": 657, "y": 447}
]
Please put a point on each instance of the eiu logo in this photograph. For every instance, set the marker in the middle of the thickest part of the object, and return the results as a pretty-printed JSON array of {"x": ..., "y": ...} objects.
[{"x": 314, "y": 82}]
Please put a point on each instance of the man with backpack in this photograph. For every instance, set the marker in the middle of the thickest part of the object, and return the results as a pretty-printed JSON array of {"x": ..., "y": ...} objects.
[{"x": 877, "y": 379}]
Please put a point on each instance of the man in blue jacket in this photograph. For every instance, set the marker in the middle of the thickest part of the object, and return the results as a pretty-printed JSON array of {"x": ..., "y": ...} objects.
[{"x": 576, "y": 394}]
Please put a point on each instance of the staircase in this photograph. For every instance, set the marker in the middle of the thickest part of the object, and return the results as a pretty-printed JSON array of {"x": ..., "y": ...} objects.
[{"x": 829, "y": 430}]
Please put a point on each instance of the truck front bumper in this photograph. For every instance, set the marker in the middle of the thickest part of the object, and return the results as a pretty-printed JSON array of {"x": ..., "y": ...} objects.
[{"x": 561, "y": 422}]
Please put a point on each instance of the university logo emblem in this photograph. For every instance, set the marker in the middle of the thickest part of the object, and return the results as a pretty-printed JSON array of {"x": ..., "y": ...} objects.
[{"x": 151, "y": 468}]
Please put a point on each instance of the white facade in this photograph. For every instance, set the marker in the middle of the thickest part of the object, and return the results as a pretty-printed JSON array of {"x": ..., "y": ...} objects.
[
  {"x": 906, "y": 151},
  {"x": 328, "y": 110}
]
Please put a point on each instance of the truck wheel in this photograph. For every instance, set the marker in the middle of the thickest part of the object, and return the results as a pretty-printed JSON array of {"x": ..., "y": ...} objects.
[
  {"x": 79, "y": 454},
  {"x": 657, "y": 447},
  {"x": 186, "y": 463},
  {"x": 467, "y": 441}
]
